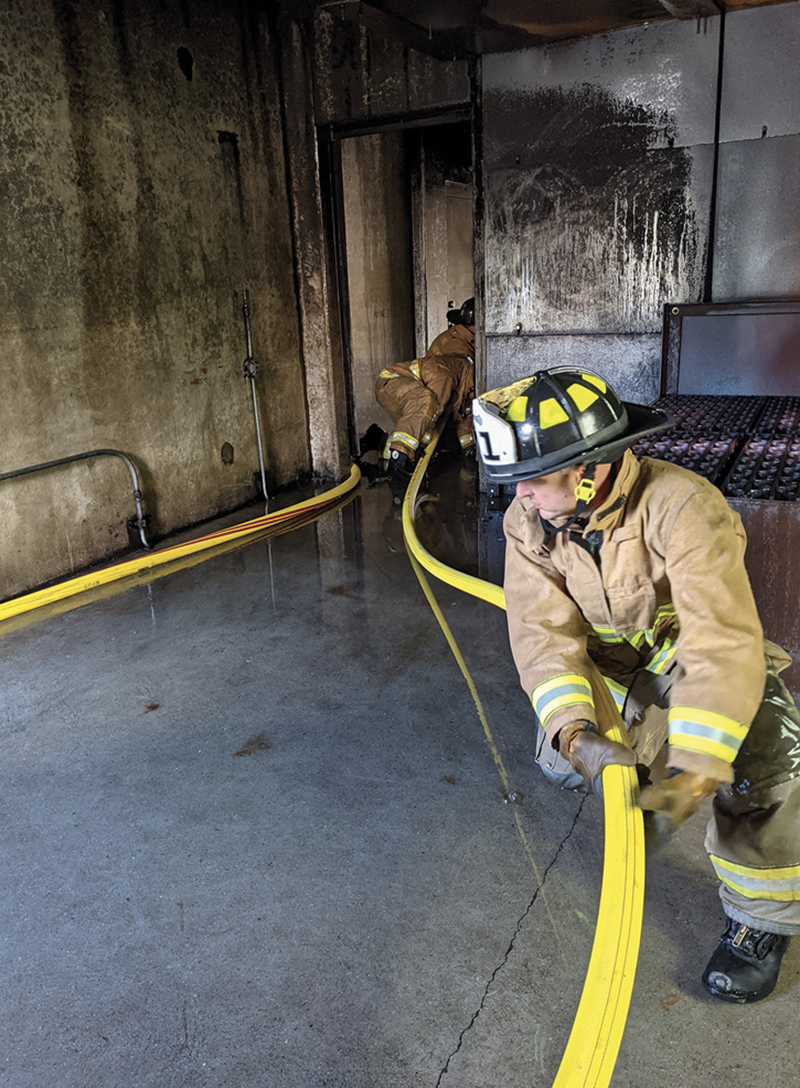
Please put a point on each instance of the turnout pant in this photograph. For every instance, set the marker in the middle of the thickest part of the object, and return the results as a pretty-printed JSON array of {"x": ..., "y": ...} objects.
[
  {"x": 753, "y": 836},
  {"x": 412, "y": 406}
]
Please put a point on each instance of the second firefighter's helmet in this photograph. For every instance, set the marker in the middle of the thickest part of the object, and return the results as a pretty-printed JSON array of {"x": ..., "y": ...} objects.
[
  {"x": 465, "y": 315},
  {"x": 554, "y": 419}
]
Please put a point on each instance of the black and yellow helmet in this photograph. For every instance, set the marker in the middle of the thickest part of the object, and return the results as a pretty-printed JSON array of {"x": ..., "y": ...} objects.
[{"x": 554, "y": 419}]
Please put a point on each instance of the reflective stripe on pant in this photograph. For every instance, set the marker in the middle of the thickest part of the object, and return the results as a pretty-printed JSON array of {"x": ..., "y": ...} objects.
[{"x": 753, "y": 838}]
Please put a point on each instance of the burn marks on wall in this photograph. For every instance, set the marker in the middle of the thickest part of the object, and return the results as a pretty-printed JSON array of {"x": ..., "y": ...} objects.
[{"x": 592, "y": 214}]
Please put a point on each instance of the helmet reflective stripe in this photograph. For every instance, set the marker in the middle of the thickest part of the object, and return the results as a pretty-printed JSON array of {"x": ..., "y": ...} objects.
[
  {"x": 496, "y": 438},
  {"x": 517, "y": 410},
  {"x": 551, "y": 413},
  {"x": 582, "y": 396}
]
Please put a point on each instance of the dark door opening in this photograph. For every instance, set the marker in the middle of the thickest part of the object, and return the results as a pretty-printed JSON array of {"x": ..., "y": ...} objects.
[{"x": 405, "y": 248}]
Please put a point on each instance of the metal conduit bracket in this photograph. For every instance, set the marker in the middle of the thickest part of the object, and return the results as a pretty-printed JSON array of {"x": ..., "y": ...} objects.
[{"x": 135, "y": 523}]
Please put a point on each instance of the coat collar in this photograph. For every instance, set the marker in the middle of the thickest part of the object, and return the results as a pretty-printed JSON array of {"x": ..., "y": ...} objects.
[
  {"x": 610, "y": 514},
  {"x": 461, "y": 332}
]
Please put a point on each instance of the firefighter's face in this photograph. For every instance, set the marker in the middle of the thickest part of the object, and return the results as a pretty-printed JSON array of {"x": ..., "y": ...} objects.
[{"x": 553, "y": 495}]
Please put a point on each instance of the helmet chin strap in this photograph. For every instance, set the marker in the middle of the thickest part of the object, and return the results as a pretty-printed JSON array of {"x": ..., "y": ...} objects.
[{"x": 584, "y": 493}]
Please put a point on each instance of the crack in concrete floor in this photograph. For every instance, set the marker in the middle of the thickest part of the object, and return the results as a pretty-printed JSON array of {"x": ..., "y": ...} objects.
[{"x": 463, "y": 1034}]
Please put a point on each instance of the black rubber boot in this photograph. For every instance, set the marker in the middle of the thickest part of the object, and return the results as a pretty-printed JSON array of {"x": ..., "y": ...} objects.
[
  {"x": 745, "y": 964},
  {"x": 400, "y": 465}
]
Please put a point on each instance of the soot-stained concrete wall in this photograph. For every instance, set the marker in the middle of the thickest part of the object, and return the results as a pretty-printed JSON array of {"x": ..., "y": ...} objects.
[
  {"x": 598, "y": 165},
  {"x": 363, "y": 74},
  {"x": 143, "y": 186},
  {"x": 599, "y": 168}
]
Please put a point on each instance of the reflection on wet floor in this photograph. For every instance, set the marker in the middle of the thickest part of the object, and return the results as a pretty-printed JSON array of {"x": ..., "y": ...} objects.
[{"x": 446, "y": 514}]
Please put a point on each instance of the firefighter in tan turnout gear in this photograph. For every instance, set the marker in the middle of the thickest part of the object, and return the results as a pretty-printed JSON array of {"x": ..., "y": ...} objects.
[
  {"x": 415, "y": 394},
  {"x": 637, "y": 565}
]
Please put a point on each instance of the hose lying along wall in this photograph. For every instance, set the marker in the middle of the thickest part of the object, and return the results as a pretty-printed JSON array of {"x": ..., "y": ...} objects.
[
  {"x": 594, "y": 1041},
  {"x": 270, "y": 525}
]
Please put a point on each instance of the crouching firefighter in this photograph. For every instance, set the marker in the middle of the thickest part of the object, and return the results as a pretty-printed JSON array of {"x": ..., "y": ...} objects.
[
  {"x": 415, "y": 394},
  {"x": 638, "y": 566}
]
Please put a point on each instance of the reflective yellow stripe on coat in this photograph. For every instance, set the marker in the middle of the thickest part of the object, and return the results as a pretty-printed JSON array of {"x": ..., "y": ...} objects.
[
  {"x": 618, "y": 691},
  {"x": 659, "y": 663},
  {"x": 705, "y": 732},
  {"x": 781, "y": 884},
  {"x": 665, "y": 618},
  {"x": 561, "y": 691}
]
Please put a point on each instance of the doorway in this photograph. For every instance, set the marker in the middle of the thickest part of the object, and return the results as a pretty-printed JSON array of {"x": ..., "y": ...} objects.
[{"x": 405, "y": 247}]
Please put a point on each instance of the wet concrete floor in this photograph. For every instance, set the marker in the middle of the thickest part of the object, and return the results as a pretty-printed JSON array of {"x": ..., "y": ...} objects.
[{"x": 254, "y": 835}]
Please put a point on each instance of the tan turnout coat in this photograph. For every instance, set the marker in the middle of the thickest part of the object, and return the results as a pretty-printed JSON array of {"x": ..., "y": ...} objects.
[{"x": 668, "y": 592}]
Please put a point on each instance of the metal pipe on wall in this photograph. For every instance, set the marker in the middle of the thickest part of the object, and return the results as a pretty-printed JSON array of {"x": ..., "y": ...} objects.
[{"x": 137, "y": 522}]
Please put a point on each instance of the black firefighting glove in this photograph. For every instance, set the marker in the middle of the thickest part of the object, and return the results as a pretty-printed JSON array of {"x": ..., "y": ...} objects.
[
  {"x": 588, "y": 752},
  {"x": 670, "y": 802}
]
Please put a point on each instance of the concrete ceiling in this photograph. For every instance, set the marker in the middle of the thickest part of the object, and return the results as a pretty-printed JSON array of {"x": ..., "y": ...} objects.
[{"x": 463, "y": 28}]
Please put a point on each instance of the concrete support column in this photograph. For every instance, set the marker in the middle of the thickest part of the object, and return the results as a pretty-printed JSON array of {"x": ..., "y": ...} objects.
[{"x": 316, "y": 287}]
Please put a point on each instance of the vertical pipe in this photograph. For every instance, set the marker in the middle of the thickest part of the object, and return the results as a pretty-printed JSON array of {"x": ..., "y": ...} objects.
[
  {"x": 250, "y": 371},
  {"x": 708, "y": 286},
  {"x": 260, "y": 447}
]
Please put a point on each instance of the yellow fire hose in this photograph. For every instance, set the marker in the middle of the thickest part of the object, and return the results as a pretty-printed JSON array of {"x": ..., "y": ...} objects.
[
  {"x": 269, "y": 525},
  {"x": 593, "y": 1045}
]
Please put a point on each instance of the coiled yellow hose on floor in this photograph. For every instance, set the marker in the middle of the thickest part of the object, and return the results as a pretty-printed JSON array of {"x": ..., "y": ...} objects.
[
  {"x": 593, "y": 1045},
  {"x": 269, "y": 525}
]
